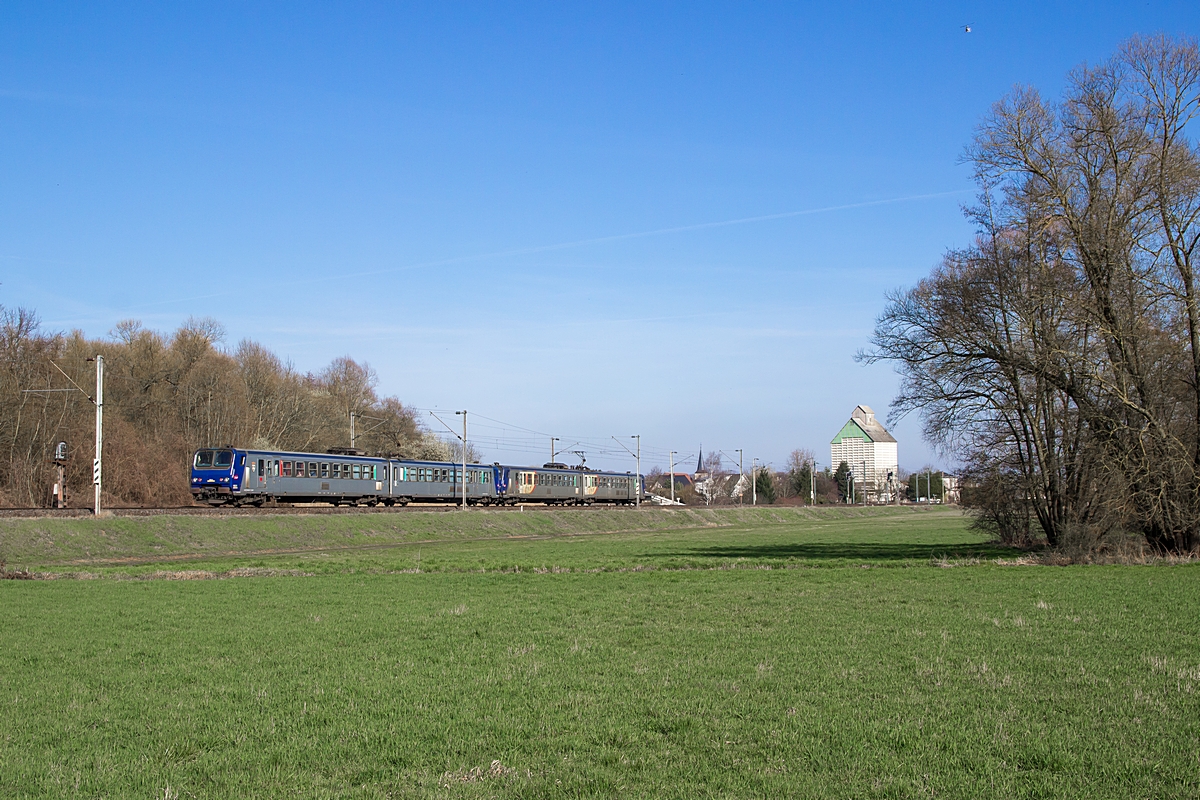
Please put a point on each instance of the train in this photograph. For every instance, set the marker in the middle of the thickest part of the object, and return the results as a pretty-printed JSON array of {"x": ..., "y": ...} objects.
[{"x": 230, "y": 476}]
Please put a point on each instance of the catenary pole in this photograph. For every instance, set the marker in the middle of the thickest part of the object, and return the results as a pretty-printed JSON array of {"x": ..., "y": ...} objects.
[
  {"x": 753, "y": 481},
  {"x": 98, "y": 464},
  {"x": 741, "y": 472},
  {"x": 637, "y": 479},
  {"x": 672, "y": 460},
  {"x": 464, "y": 463}
]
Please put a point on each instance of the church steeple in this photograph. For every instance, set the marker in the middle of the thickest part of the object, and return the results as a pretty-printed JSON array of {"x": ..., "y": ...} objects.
[{"x": 700, "y": 460}]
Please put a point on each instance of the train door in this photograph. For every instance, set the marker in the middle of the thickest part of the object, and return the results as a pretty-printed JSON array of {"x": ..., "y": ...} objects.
[
  {"x": 500, "y": 478},
  {"x": 256, "y": 475},
  {"x": 272, "y": 484}
]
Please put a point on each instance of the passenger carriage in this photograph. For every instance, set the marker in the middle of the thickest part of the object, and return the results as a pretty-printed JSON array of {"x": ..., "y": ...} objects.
[
  {"x": 255, "y": 477},
  {"x": 438, "y": 481},
  {"x": 558, "y": 484}
]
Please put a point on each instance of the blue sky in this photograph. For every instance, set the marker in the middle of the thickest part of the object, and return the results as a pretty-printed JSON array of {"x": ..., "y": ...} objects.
[{"x": 514, "y": 208}]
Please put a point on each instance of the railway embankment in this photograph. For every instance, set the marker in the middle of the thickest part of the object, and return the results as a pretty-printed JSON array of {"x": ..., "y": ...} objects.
[{"x": 81, "y": 541}]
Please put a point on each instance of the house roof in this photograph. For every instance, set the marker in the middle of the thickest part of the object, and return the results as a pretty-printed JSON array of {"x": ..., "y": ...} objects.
[{"x": 863, "y": 425}]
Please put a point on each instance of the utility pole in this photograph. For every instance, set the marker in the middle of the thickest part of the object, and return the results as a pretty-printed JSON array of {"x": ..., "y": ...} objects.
[
  {"x": 741, "y": 472},
  {"x": 553, "y": 455},
  {"x": 97, "y": 464},
  {"x": 812, "y": 483},
  {"x": 351, "y": 430},
  {"x": 753, "y": 479},
  {"x": 464, "y": 463},
  {"x": 671, "y": 458},
  {"x": 638, "y": 456},
  {"x": 637, "y": 478}
]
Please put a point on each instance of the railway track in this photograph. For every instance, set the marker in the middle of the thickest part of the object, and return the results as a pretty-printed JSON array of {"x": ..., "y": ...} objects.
[{"x": 281, "y": 510}]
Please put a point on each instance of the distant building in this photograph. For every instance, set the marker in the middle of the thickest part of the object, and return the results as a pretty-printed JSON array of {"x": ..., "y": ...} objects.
[
  {"x": 951, "y": 491},
  {"x": 870, "y": 452}
]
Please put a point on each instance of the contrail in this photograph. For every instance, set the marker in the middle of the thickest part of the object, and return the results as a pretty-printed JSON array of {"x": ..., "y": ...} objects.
[
  {"x": 577, "y": 243},
  {"x": 656, "y": 232}
]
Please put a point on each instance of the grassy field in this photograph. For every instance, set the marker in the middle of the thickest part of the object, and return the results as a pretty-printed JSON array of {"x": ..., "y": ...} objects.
[
  {"x": 511, "y": 541},
  {"x": 718, "y": 655}
]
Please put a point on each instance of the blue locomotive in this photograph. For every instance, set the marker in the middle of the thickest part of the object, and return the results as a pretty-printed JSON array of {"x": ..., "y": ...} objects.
[{"x": 232, "y": 476}]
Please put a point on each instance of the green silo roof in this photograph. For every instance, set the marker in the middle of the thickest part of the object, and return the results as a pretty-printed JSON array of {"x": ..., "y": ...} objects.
[{"x": 851, "y": 430}]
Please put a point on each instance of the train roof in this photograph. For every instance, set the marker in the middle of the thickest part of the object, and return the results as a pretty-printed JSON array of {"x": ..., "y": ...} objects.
[{"x": 346, "y": 452}]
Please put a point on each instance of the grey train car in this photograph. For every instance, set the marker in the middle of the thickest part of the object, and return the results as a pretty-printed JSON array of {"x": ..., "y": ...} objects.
[
  {"x": 437, "y": 481},
  {"x": 223, "y": 476},
  {"x": 558, "y": 484},
  {"x": 231, "y": 476},
  {"x": 261, "y": 476}
]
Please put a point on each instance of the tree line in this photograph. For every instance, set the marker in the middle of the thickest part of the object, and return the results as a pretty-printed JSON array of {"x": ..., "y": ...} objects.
[
  {"x": 1058, "y": 356},
  {"x": 165, "y": 395}
]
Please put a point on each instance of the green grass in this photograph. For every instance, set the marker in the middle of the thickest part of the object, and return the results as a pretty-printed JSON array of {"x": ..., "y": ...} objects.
[
  {"x": 643, "y": 666},
  {"x": 440, "y": 541}
]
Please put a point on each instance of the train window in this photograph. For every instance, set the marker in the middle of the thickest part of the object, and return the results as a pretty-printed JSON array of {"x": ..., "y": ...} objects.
[
  {"x": 242, "y": 461},
  {"x": 204, "y": 459},
  {"x": 384, "y": 472},
  {"x": 223, "y": 458},
  {"x": 324, "y": 469},
  {"x": 260, "y": 466},
  {"x": 355, "y": 472},
  {"x": 312, "y": 469},
  {"x": 299, "y": 469},
  {"x": 287, "y": 469},
  {"x": 345, "y": 472},
  {"x": 335, "y": 470}
]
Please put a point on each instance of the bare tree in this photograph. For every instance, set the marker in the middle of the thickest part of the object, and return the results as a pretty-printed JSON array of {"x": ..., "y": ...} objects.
[{"x": 1063, "y": 347}]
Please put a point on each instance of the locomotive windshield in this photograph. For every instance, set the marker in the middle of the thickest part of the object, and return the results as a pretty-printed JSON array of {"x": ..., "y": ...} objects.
[{"x": 214, "y": 459}]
